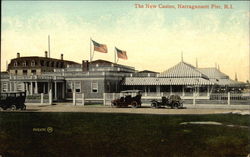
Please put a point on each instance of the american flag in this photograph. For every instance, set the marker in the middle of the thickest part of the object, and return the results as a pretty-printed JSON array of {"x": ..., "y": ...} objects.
[
  {"x": 100, "y": 47},
  {"x": 121, "y": 54}
]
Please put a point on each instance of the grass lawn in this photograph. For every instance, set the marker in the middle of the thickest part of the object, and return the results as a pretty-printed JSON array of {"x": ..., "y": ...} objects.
[{"x": 102, "y": 134}]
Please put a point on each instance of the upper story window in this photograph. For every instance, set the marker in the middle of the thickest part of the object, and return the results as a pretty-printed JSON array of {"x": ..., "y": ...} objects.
[
  {"x": 94, "y": 87},
  {"x": 42, "y": 63},
  {"x": 15, "y": 64},
  {"x": 33, "y": 63},
  {"x": 25, "y": 72},
  {"x": 24, "y": 63}
]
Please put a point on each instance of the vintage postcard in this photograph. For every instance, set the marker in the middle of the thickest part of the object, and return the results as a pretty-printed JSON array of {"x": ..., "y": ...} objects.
[{"x": 125, "y": 78}]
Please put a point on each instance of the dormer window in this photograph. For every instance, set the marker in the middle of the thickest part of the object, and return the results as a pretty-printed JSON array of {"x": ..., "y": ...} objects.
[
  {"x": 15, "y": 64},
  {"x": 33, "y": 63}
]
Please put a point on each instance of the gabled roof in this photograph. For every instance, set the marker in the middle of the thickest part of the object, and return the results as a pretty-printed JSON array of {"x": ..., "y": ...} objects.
[
  {"x": 213, "y": 73},
  {"x": 182, "y": 70}
]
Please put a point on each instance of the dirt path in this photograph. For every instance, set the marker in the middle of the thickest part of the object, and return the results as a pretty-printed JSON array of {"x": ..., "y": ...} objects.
[{"x": 143, "y": 110}]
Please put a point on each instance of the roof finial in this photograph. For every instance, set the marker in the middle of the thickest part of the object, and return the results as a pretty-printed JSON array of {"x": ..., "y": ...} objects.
[
  {"x": 196, "y": 63},
  {"x": 236, "y": 78},
  {"x": 181, "y": 56}
]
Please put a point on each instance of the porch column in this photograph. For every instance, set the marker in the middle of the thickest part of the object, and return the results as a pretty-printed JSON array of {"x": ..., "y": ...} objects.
[
  {"x": 27, "y": 88},
  {"x": 145, "y": 88},
  {"x": 158, "y": 89},
  {"x": 208, "y": 91},
  {"x": 44, "y": 87},
  {"x": 198, "y": 91},
  {"x": 10, "y": 86},
  {"x": 63, "y": 90},
  {"x": 183, "y": 91},
  {"x": 56, "y": 90},
  {"x": 31, "y": 88},
  {"x": 15, "y": 86},
  {"x": 36, "y": 88}
]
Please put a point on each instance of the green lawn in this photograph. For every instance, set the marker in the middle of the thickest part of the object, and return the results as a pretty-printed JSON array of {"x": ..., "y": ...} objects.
[{"x": 100, "y": 134}]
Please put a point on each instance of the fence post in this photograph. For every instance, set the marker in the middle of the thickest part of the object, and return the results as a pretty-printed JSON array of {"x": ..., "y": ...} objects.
[
  {"x": 228, "y": 98},
  {"x": 50, "y": 97},
  {"x": 74, "y": 98},
  {"x": 194, "y": 98},
  {"x": 113, "y": 96},
  {"x": 83, "y": 99},
  {"x": 41, "y": 98},
  {"x": 104, "y": 99}
]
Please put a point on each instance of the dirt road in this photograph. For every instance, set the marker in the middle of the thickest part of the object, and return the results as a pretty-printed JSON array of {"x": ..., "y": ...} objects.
[{"x": 143, "y": 110}]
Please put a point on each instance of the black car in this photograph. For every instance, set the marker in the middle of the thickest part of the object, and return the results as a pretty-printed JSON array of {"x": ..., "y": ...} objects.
[
  {"x": 173, "y": 101},
  {"x": 128, "y": 100},
  {"x": 12, "y": 100}
]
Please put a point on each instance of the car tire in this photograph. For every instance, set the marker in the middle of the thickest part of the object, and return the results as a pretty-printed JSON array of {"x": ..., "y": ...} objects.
[
  {"x": 13, "y": 107},
  {"x": 153, "y": 105},
  {"x": 134, "y": 104},
  {"x": 23, "y": 107}
]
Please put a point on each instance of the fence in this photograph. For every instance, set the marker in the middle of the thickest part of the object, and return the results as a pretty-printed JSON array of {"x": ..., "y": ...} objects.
[
  {"x": 39, "y": 98},
  {"x": 195, "y": 98}
]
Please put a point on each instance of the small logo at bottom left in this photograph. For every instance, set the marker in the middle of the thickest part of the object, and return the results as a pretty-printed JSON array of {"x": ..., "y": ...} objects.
[{"x": 45, "y": 129}]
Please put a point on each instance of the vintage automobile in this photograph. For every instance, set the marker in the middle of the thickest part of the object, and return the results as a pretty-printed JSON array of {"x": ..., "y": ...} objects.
[
  {"x": 12, "y": 100},
  {"x": 173, "y": 101},
  {"x": 128, "y": 100}
]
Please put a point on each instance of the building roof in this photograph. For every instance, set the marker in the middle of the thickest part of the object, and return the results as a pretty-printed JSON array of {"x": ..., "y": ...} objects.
[
  {"x": 182, "y": 70},
  {"x": 227, "y": 82},
  {"x": 213, "y": 73},
  {"x": 165, "y": 81},
  {"x": 42, "y": 58}
]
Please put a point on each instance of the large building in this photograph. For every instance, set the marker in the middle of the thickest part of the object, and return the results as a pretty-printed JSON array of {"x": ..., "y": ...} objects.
[{"x": 37, "y": 75}]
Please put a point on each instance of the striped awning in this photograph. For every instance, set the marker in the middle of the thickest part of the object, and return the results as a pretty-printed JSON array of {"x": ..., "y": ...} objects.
[{"x": 165, "y": 81}]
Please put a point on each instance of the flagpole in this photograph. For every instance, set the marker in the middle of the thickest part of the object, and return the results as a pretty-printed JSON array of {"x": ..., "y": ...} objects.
[
  {"x": 115, "y": 55},
  {"x": 91, "y": 54}
]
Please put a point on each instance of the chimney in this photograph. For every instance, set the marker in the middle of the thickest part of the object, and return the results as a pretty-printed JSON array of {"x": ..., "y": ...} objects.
[
  {"x": 18, "y": 55},
  {"x": 46, "y": 54},
  {"x": 61, "y": 56},
  {"x": 85, "y": 65}
]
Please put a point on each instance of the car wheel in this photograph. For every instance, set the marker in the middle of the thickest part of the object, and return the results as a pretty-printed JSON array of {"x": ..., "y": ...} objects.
[
  {"x": 23, "y": 107},
  {"x": 13, "y": 107},
  {"x": 134, "y": 104},
  {"x": 153, "y": 105}
]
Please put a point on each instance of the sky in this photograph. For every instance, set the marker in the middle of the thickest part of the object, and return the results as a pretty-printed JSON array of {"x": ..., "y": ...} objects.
[{"x": 154, "y": 38}]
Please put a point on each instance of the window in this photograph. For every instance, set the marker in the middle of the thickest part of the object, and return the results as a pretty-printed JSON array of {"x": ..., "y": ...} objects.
[
  {"x": 15, "y": 64},
  {"x": 42, "y": 63},
  {"x": 25, "y": 72},
  {"x": 24, "y": 63},
  {"x": 15, "y": 71},
  {"x": 33, "y": 72},
  {"x": 5, "y": 87},
  {"x": 94, "y": 87},
  {"x": 19, "y": 86},
  {"x": 69, "y": 87},
  {"x": 33, "y": 63},
  {"x": 78, "y": 87}
]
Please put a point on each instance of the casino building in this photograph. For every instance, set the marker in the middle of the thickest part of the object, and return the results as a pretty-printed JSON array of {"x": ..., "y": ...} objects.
[{"x": 37, "y": 75}]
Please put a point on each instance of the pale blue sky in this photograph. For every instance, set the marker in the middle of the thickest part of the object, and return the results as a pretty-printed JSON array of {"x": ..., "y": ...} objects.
[{"x": 148, "y": 34}]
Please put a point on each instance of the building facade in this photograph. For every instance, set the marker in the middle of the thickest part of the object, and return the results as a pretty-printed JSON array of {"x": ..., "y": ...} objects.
[{"x": 37, "y": 75}]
